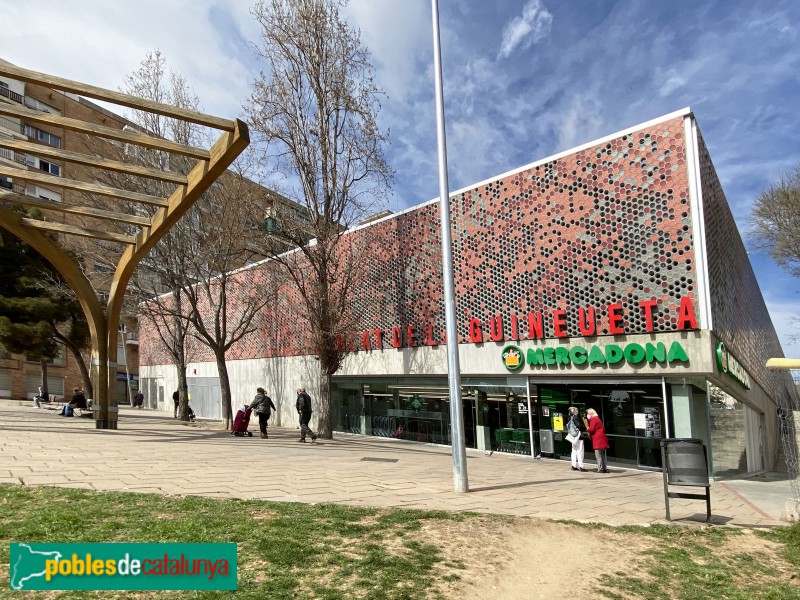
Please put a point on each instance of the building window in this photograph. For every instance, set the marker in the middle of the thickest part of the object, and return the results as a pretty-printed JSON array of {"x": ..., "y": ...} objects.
[
  {"x": 55, "y": 385},
  {"x": 49, "y": 167},
  {"x": 43, "y": 193},
  {"x": 38, "y": 105},
  {"x": 5, "y": 383},
  {"x": 42, "y": 136}
]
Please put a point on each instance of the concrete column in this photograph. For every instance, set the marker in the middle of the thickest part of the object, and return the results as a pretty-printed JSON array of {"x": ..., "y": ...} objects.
[{"x": 681, "y": 411}]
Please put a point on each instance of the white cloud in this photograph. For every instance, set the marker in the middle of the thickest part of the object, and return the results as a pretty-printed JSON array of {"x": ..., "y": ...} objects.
[
  {"x": 530, "y": 28},
  {"x": 673, "y": 81},
  {"x": 399, "y": 37}
]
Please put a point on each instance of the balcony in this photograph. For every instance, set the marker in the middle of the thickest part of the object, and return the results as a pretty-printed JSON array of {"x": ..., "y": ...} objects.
[
  {"x": 14, "y": 126},
  {"x": 7, "y": 93}
]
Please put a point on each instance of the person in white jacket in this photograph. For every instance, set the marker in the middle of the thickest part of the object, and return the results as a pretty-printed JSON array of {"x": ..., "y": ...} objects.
[{"x": 574, "y": 428}]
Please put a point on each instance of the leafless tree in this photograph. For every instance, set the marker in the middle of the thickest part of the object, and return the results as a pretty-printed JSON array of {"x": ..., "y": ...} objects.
[
  {"x": 776, "y": 223},
  {"x": 314, "y": 108},
  {"x": 188, "y": 281}
]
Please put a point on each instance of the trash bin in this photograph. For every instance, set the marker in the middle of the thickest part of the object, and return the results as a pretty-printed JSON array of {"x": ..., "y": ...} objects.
[{"x": 685, "y": 463}]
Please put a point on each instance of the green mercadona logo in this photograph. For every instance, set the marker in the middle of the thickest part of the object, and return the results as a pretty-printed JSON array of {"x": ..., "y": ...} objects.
[
  {"x": 610, "y": 354},
  {"x": 513, "y": 358},
  {"x": 730, "y": 366}
]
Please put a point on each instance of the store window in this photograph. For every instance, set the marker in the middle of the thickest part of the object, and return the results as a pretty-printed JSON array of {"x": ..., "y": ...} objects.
[
  {"x": 632, "y": 414},
  {"x": 495, "y": 411}
]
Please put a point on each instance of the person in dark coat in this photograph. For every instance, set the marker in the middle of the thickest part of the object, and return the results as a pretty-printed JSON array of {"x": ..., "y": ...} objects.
[
  {"x": 597, "y": 432},
  {"x": 304, "y": 410},
  {"x": 176, "y": 397},
  {"x": 138, "y": 399},
  {"x": 78, "y": 399},
  {"x": 263, "y": 407}
]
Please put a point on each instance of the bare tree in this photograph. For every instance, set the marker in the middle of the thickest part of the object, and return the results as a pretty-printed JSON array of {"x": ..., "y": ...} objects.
[
  {"x": 223, "y": 302},
  {"x": 187, "y": 282},
  {"x": 776, "y": 221},
  {"x": 776, "y": 224},
  {"x": 315, "y": 111},
  {"x": 156, "y": 273}
]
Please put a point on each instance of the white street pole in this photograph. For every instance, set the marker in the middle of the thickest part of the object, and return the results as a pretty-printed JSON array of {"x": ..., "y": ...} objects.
[{"x": 460, "y": 481}]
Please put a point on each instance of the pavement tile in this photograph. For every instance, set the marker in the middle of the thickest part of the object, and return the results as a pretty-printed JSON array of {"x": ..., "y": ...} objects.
[{"x": 141, "y": 456}]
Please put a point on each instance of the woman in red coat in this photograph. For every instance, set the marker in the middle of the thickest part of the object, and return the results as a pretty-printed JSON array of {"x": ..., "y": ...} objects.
[{"x": 599, "y": 440}]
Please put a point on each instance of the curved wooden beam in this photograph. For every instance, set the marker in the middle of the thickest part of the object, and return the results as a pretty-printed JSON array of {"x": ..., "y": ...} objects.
[
  {"x": 200, "y": 178},
  {"x": 77, "y": 281}
]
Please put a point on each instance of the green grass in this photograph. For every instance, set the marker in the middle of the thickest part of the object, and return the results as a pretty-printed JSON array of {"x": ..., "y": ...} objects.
[
  {"x": 333, "y": 552},
  {"x": 698, "y": 563},
  {"x": 285, "y": 550}
]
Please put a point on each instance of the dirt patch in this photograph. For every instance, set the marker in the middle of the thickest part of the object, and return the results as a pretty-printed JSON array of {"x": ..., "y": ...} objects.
[
  {"x": 523, "y": 558},
  {"x": 493, "y": 557}
]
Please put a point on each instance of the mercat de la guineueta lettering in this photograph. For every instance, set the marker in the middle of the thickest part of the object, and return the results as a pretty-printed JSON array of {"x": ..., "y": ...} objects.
[{"x": 534, "y": 325}]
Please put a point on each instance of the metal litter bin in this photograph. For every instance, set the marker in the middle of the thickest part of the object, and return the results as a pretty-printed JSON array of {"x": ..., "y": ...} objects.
[{"x": 685, "y": 463}]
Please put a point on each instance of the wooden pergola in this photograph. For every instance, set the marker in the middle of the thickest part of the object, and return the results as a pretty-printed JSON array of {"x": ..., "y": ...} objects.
[{"x": 209, "y": 165}]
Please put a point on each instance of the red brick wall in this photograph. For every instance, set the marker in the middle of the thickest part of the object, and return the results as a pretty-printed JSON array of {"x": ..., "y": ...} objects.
[{"x": 608, "y": 224}]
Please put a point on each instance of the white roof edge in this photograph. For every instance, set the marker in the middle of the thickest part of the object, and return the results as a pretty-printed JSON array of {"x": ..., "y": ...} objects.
[{"x": 687, "y": 111}]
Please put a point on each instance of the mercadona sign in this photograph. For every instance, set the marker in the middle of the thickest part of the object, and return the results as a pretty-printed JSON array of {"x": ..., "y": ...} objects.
[{"x": 514, "y": 357}]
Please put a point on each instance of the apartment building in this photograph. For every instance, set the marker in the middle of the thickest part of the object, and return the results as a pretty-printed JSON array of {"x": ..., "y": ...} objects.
[{"x": 26, "y": 168}]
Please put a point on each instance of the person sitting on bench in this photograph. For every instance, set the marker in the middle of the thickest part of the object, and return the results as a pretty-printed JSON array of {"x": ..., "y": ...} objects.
[
  {"x": 78, "y": 401},
  {"x": 42, "y": 396}
]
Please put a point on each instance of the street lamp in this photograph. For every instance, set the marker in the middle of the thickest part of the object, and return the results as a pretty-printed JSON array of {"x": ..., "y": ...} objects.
[{"x": 460, "y": 482}]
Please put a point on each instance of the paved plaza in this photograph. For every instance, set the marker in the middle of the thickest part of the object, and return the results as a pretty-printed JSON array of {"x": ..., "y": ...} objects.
[{"x": 153, "y": 453}]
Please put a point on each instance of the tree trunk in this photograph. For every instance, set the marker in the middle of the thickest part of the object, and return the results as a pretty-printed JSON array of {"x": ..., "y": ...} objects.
[
  {"x": 179, "y": 355},
  {"x": 43, "y": 362},
  {"x": 76, "y": 353},
  {"x": 183, "y": 394},
  {"x": 225, "y": 390},
  {"x": 323, "y": 408}
]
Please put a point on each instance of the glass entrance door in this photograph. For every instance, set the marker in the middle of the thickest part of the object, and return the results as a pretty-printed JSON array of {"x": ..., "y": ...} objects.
[{"x": 632, "y": 415}]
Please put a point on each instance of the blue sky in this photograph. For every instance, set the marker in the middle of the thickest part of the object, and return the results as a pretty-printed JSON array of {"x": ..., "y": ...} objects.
[{"x": 523, "y": 80}]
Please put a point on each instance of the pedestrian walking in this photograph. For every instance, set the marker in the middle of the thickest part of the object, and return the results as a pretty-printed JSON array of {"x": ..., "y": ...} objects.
[
  {"x": 304, "y": 410},
  {"x": 597, "y": 432},
  {"x": 575, "y": 429},
  {"x": 263, "y": 406},
  {"x": 176, "y": 397},
  {"x": 138, "y": 399}
]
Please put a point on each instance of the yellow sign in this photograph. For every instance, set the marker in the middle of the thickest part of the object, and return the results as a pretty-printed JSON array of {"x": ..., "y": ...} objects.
[{"x": 558, "y": 423}]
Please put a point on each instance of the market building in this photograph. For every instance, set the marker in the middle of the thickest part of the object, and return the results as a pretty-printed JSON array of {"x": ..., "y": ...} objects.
[{"x": 611, "y": 276}]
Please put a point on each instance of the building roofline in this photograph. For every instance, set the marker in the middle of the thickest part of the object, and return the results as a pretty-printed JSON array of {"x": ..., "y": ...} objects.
[{"x": 684, "y": 112}]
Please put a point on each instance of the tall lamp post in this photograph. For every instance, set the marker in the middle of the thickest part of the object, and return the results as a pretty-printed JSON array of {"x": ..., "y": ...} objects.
[{"x": 460, "y": 482}]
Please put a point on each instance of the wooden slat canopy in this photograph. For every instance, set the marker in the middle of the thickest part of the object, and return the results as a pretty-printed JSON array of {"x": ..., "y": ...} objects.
[{"x": 182, "y": 191}]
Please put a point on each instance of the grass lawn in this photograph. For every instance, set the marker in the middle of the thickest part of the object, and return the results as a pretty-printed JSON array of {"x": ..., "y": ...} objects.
[{"x": 329, "y": 551}]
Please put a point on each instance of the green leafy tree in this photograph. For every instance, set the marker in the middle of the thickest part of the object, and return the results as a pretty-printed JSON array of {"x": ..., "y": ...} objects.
[{"x": 37, "y": 318}]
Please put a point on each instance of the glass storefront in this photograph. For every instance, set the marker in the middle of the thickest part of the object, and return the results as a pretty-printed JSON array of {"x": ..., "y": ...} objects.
[
  {"x": 499, "y": 415},
  {"x": 418, "y": 408},
  {"x": 632, "y": 414}
]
